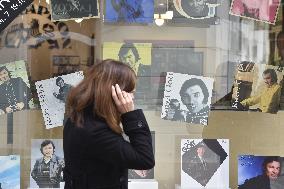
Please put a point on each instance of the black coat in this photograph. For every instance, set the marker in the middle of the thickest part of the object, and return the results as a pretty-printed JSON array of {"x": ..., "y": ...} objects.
[
  {"x": 259, "y": 182},
  {"x": 96, "y": 157}
]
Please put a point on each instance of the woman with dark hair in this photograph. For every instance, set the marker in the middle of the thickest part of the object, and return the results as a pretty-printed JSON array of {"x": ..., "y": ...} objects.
[
  {"x": 271, "y": 171},
  {"x": 96, "y": 154}
]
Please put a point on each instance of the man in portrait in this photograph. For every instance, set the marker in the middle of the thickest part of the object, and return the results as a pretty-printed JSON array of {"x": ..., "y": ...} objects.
[
  {"x": 48, "y": 170},
  {"x": 15, "y": 94},
  {"x": 128, "y": 10},
  {"x": 271, "y": 167},
  {"x": 195, "y": 96},
  {"x": 199, "y": 163},
  {"x": 269, "y": 98},
  {"x": 195, "y": 8},
  {"x": 64, "y": 88},
  {"x": 174, "y": 112}
]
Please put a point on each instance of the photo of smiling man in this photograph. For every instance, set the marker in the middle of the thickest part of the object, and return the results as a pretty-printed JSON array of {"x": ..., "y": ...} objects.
[{"x": 193, "y": 94}]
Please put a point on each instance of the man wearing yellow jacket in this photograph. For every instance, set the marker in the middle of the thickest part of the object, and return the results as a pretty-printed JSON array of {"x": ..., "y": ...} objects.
[{"x": 269, "y": 99}]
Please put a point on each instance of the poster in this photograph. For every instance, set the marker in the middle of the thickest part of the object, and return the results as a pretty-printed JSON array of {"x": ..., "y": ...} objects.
[
  {"x": 204, "y": 163},
  {"x": 74, "y": 9},
  {"x": 187, "y": 98},
  {"x": 10, "y": 172},
  {"x": 47, "y": 153},
  {"x": 129, "y": 11},
  {"x": 14, "y": 88},
  {"x": 52, "y": 95},
  {"x": 260, "y": 10},
  {"x": 257, "y": 87}
]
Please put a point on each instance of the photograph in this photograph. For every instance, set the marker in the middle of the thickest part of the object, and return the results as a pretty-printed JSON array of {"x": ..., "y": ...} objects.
[
  {"x": 129, "y": 11},
  {"x": 14, "y": 87},
  {"x": 257, "y": 87},
  {"x": 260, "y": 172},
  {"x": 197, "y": 13},
  {"x": 187, "y": 98},
  {"x": 138, "y": 57},
  {"x": 260, "y": 10},
  {"x": 47, "y": 163},
  {"x": 204, "y": 163},
  {"x": 143, "y": 174},
  {"x": 52, "y": 94},
  {"x": 10, "y": 172},
  {"x": 62, "y": 10}
]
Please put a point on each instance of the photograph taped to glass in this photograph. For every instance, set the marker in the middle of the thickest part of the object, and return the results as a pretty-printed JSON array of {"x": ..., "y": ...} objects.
[
  {"x": 264, "y": 171},
  {"x": 204, "y": 163},
  {"x": 52, "y": 94},
  {"x": 260, "y": 10},
  {"x": 187, "y": 98}
]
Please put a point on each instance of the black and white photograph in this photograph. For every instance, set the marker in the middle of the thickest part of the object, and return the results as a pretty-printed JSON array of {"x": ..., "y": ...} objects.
[
  {"x": 74, "y": 9},
  {"x": 14, "y": 88},
  {"x": 187, "y": 98},
  {"x": 204, "y": 163},
  {"x": 143, "y": 174},
  {"x": 52, "y": 95},
  {"x": 47, "y": 163},
  {"x": 200, "y": 13},
  {"x": 257, "y": 87}
]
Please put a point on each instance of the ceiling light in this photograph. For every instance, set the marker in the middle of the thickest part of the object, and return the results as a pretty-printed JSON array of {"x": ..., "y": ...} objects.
[{"x": 79, "y": 20}]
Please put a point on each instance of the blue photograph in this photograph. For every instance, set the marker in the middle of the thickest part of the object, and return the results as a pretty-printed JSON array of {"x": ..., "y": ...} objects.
[
  {"x": 255, "y": 171},
  {"x": 129, "y": 11},
  {"x": 10, "y": 172}
]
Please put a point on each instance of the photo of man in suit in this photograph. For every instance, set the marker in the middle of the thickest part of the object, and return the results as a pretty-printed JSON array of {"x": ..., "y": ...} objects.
[{"x": 15, "y": 94}]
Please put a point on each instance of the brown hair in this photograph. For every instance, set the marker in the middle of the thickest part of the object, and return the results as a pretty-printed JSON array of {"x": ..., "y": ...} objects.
[{"x": 95, "y": 92}]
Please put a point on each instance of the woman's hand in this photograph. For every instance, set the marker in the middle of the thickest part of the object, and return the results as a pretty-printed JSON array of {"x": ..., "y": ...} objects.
[{"x": 122, "y": 99}]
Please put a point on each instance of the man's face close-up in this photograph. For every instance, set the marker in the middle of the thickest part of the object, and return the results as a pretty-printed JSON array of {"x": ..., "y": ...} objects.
[
  {"x": 273, "y": 170},
  {"x": 4, "y": 76},
  {"x": 193, "y": 99},
  {"x": 48, "y": 150},
  {"x": 200, "y": 151},
  {"x": 267, "y": 79},
  {"x": 129, "y": 58}
]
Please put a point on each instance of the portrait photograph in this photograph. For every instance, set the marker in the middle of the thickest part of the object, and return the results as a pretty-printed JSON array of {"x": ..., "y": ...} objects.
[
  {"x": 204, "y": 163},
  {"x": 47, "y": 163},
  {"x": 187, "y": 98},
  {"x": 138, "y": 57},
  {"x": 257, "y": 87},
  {"x": 256, "y": 171},
  {"x": 14, "y": 88},
  {"x": 129, "y": 11},
  {"x": 74, "y": 9},
  {"x": 143, "y": 174},
  {"x": 198, "y": 13},
  {"x": 52, "y": 94},
  {"x": 260, "y": 10},
  {"x": 10, "y": 172}
]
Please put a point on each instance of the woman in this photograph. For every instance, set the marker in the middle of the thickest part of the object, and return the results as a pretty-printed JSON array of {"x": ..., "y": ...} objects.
[{"x": 96, "y": 154}]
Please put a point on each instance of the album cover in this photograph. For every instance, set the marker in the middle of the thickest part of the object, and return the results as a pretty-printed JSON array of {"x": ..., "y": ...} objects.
[
  {"x": 129, "y": 11},
  {"x": 47, "y": 163},
  {"x": 14, "y": 88},
  {"x": 260, "y": 10},
  {"x": 264, "y": 171},
  {"x": 204, "y": 163},
  {"x": 73, "y": 9},
  {"x": 10, "y": 172},
  {"x": 257, "y": 87},
  {"x": 52, "y": 95},
  {"x": 143, "y": 174},
  {"x": 197, "y": 13},
  {"x": 187, "y": 98}
]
